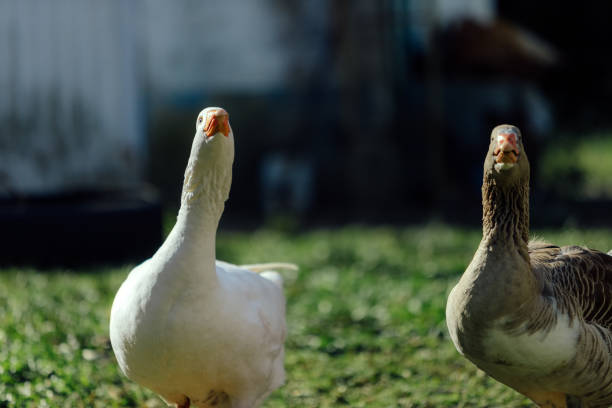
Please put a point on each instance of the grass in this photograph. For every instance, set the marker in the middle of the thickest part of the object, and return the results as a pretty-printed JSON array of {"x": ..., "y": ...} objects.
[
  {"x": 579, "y": 166},
  {"x": 365, "y": 315}
]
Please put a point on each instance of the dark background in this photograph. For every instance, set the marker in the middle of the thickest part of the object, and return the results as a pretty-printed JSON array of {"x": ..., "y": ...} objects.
[
  {"x": 372, "y": 123},
  {"x": 391, "y": 132}
]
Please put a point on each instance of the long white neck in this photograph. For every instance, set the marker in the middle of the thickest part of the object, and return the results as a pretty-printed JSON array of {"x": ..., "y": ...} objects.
[{"x": 190, "y": 246}]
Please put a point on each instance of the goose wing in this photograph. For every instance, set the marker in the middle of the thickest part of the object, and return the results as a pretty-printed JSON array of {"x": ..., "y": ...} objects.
[{"x": 580, "y": 277}]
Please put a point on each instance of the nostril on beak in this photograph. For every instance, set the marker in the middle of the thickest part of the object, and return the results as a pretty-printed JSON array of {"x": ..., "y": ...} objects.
[
  {"x": 506, "y": 142},
  {"x": 220, "y": 112}
]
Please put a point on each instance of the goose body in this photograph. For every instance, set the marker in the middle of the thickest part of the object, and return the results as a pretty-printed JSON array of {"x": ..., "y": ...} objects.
[
  {"x": 196, "y": 330},
  {"x": 534, "y": 316}
]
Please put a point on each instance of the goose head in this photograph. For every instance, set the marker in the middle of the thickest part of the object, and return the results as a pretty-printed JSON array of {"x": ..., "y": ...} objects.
[
  {"x": 209, "y": 169},
  {"x": 213, "y": 135},
  {"x": 506, "y": 161}
]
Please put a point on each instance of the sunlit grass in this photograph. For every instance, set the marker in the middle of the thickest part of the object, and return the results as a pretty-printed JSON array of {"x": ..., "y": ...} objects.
[
  {"x": 365, "y": 315},
  {"x": 579, "y": 166}
]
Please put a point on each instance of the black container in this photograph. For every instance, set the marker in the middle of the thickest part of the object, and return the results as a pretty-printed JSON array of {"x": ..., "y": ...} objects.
[{"x": 80, "y": 229}]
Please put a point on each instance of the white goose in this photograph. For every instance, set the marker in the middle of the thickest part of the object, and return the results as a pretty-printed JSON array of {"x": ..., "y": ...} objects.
[{"x": 193, "y": 329}]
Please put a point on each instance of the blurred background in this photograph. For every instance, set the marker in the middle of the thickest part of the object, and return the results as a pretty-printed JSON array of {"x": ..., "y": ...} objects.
[{"x": 343, "y": 112}]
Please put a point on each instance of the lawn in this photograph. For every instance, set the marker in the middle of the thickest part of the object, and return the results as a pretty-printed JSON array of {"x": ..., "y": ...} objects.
[
  {"x": 579, "y": 166},
  {"x": 365, "y": 315}
]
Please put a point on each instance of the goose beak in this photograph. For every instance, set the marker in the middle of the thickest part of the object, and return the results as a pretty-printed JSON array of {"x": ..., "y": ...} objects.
[
  {"x": 217, "y": 121},
  {"x": 507, "y": 151}
]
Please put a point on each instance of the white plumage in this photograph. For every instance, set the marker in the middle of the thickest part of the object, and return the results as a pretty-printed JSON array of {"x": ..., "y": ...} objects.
[{"x": 193, "y": 329}]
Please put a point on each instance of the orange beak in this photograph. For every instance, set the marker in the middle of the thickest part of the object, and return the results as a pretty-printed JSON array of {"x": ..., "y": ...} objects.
[
  {"x": 217, "y": 121},
  {"x": 507, "y": 150}
]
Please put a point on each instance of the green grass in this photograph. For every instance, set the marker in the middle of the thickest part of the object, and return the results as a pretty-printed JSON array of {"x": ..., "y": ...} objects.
[
  {"x": 365, "y": 315},
  {"x": 579, "y": 166}
]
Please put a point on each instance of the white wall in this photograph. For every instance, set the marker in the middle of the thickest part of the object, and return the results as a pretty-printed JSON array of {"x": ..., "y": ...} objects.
[
  {"x": 72, "y": 74},
  {"x": 69, "y": 107}
]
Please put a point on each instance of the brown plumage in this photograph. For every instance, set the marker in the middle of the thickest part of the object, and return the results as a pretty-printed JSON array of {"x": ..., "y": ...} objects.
[{"x": 534, "y": 316}]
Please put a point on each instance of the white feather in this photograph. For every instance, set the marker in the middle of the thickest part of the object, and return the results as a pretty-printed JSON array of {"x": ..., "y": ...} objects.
[{"x": 541, "y": 350}]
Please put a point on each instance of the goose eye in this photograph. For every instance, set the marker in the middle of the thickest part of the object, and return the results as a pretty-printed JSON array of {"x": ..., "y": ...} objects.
[{"x": 200, "y": 119}]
